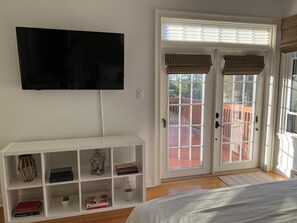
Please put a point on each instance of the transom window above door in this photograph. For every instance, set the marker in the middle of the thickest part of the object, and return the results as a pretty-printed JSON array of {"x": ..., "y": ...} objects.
[{"x": 215, "y": 32}]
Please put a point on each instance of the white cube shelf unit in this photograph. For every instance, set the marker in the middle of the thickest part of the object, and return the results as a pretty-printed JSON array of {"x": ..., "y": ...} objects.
[{"x": 74, "y": 153}]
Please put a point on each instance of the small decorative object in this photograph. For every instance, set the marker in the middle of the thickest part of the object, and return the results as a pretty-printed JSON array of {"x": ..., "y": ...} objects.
[
  {"x": 27, "y": 167},
  {"x": 97, "y": 162},
  {"x": 97, "y": 201},
  {"x": 65, "y": 201},
  {"x": 61, "y": 174},
  {"x": 128, "y": 189}
]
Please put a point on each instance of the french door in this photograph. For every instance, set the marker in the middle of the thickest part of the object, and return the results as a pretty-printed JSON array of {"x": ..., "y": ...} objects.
[
  {"x": 185, "y": 110},
  {"x": 210, "y": 122},
  {"x": 237, "y": 120}
]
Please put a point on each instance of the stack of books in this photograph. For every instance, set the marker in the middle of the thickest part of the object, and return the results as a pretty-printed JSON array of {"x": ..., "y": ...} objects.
[
  {"x": 94, "y": 202},
  {"x": 127, "y": 168},
  {"x": 28, "y": 208},
  {"x": 61, "y": 174}
]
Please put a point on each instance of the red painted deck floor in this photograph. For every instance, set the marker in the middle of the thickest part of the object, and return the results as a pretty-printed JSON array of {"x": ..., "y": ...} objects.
[{"x": 196, "y": 150}]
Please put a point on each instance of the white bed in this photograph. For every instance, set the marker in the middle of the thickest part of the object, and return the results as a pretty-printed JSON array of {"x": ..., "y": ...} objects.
[{"x": 269, "y": 202}]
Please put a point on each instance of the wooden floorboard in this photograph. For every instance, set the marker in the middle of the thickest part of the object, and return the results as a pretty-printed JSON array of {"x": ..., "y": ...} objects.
[{"x": 167, "y": 187}]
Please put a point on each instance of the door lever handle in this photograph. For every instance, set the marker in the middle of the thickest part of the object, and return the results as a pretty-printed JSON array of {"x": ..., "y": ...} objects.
[
  {"x": 217, "y": 125},
  {"x": 164, "y": 122}
]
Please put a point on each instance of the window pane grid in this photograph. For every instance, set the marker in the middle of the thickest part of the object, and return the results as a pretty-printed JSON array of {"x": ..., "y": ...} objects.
[
  {"x": 293, "y": 101},
  {"x": 238, "y": 118},
  {"x": 236, "y": 152},
  {"x": 186, "y": 108}
]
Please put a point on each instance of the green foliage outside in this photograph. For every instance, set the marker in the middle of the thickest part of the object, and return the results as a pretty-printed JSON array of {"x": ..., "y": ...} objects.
[{"x": 183, "y": 83}]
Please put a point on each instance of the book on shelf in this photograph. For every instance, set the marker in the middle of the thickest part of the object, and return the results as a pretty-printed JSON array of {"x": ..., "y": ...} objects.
[
  {"x": 127, "y": 168},
  {"x": 25, "y": 214},
  {"x": 17, "y": 215},
  {"x": 28, "y": 206},
  {"x": 61, "y": 174},
  {"x": 97, "y": 201}
]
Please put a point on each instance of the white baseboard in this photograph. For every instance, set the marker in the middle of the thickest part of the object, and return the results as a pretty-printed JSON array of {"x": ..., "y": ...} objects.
[{"x": 150, "y": 182}]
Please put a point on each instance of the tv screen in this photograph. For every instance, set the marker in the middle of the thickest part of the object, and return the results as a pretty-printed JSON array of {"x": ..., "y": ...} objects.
[{"x": 66, "y": 59}]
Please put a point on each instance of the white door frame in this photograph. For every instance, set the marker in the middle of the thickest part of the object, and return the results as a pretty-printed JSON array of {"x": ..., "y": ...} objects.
[
  {"x": 208, "y": 95},
  {"x": 270, "y": 83}
]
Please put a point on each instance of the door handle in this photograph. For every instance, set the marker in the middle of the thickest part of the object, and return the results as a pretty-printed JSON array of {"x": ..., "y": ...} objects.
[
  {"x": 217, "y": 125},
  {"x": 164, "y": 122}
]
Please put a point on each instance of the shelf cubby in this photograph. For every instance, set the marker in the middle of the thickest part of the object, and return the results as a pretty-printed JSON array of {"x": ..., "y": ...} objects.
[
  {"x": 85, "y": 165},
  {"x": 97, "y": 188},
  {"x": 21, "y": 195},
  {"x": 138, "y": 194},
  {"x": 60, "y": 160},
  {"x": 14, "y": 178},
  {"x": 55, "y": 194},
  {"x": 128, "y": 154}
]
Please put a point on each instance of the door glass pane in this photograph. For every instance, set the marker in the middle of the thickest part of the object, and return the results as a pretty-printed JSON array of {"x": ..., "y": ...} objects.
[
  {"x": 173, "y": 92},
  {"x": 196, "y": 114},
  {"x": 237, "y": 92},
  {"x": 197, "y": 91},
  {"x": 196, "y": 135},
  {"x": 185, "y": 115},
  {"x": 293, "y": 105},
  {"x": 185, "y": 157},
  {"x": 173, "y": 139},
  {"x": 228, "y": 91},
  {"x": 238, "y": 118},
  {"x": 196, "y": 156},
  {"x": 173, "y": 157},
  {"x": 173, "y": 113},
  {"x": 185, "y": 136},
  {"x": 246, "y": 152},
  {"x": 235, "y": 150}
]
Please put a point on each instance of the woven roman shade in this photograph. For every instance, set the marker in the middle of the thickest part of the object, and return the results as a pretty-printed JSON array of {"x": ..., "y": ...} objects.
[
  {"x": 243, "y": 65},
  {"x": 289, "y": 34},
  {"x": 187, "y": 63}
]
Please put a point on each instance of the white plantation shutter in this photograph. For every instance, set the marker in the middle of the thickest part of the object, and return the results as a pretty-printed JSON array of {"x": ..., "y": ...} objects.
[{"x": 212, "y": 31}]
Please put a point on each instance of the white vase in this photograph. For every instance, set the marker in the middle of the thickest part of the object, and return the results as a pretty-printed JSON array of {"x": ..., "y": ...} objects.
[
  {"x": 128, "y": 194},
  {"x": 65, "y": 203}
]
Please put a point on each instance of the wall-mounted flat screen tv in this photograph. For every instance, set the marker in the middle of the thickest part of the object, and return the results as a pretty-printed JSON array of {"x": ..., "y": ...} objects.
[{"x": 66, "y": 59}]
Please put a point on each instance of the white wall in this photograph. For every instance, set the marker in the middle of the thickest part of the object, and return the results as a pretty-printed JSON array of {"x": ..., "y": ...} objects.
[
  {"x": 35, "y": 115},
  {"x": 289, "y": 8},
  {"x": 285, "y": 154}
]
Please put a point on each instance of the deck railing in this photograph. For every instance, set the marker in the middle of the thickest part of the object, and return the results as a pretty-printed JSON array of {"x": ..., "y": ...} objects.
[{"x": 238, "y": 111}]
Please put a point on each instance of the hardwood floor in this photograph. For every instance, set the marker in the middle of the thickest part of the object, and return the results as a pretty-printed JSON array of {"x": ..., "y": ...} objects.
[{"x": 166, "y": 188}]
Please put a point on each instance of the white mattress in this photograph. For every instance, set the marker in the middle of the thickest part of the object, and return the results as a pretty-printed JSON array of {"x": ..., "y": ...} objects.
[{"x": 269, "y": 202}]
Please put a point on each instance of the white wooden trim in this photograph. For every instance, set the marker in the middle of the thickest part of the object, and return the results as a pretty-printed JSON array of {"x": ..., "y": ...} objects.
[
  {"x": 157, "y": 151},
  {"x": 150, "y": 182},
  {"x": 272, "y": 72},
  {"x": 215, "y": 17},
  {"x": 269, "y": 116}
]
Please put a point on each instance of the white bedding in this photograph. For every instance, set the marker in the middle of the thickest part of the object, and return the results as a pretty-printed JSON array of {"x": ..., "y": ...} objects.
[{"x": 269, "y": 202}]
